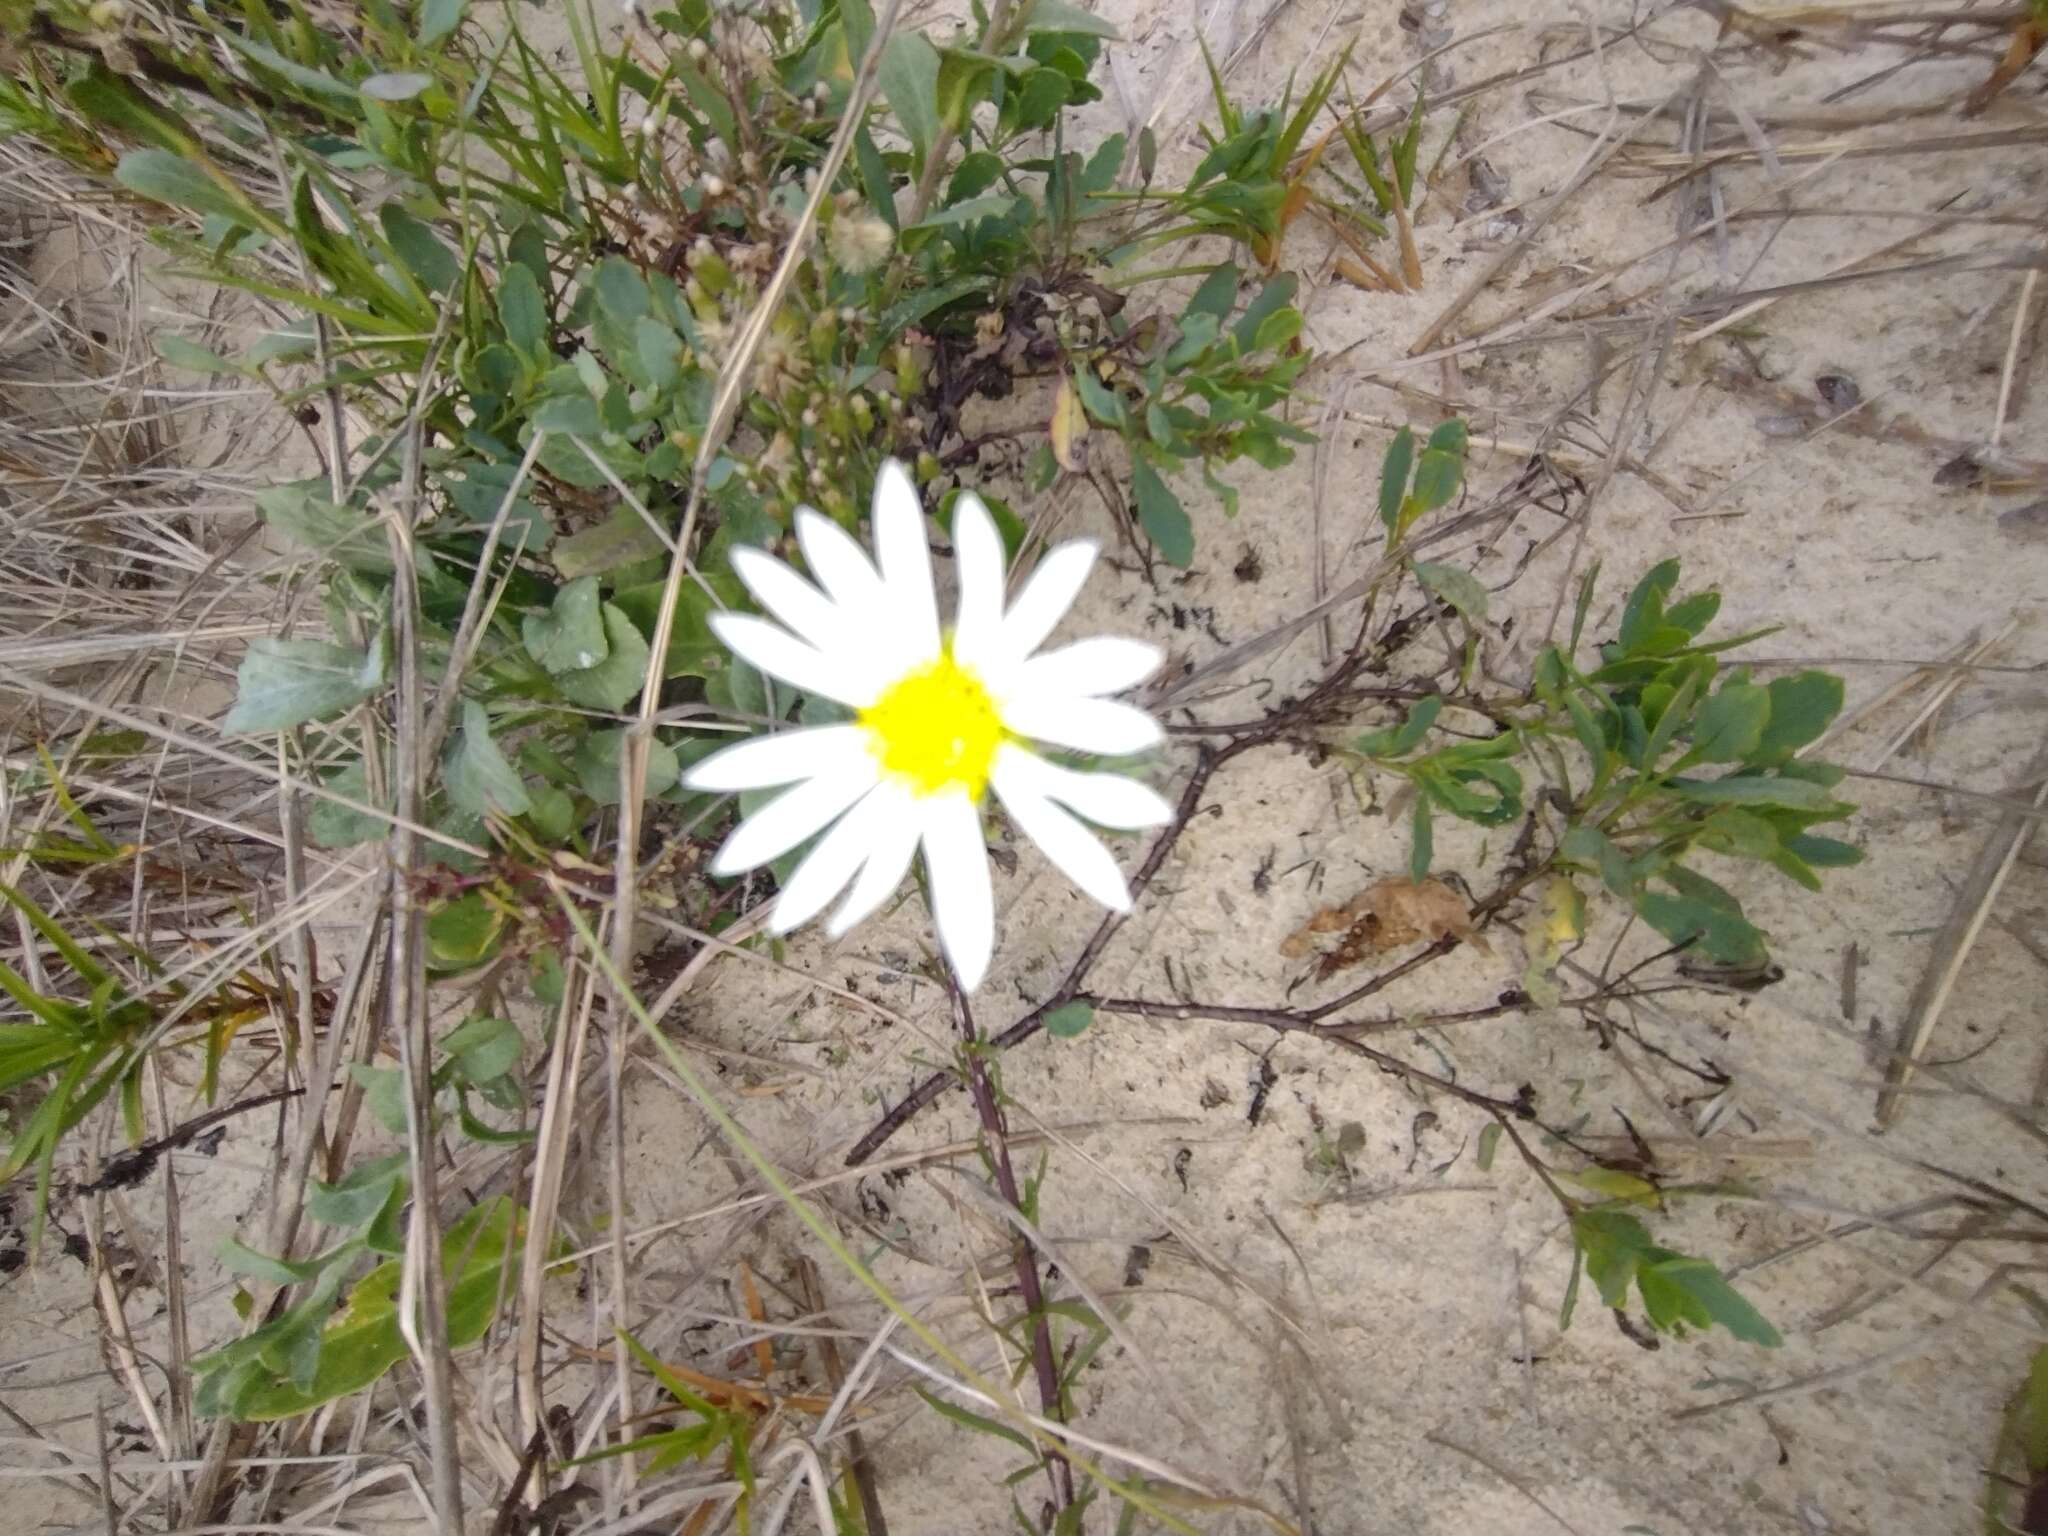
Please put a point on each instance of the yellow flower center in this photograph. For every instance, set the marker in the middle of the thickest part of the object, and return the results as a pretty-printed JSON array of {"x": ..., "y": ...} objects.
[{"x": 936, "y": 728}]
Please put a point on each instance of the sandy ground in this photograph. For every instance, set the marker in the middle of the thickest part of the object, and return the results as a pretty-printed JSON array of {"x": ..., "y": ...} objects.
[{"x": 1371, "y": 1345}]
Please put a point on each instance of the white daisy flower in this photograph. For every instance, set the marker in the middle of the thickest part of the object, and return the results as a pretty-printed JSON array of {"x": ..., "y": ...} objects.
[{"x": 940, "y": 716}]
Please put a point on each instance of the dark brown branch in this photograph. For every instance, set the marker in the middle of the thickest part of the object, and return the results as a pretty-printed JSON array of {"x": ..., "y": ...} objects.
[{"x": 996, "y": 1135}]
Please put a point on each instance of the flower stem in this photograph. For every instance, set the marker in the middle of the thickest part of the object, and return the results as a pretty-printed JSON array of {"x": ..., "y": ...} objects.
[{"x": 996, "y": 1132}]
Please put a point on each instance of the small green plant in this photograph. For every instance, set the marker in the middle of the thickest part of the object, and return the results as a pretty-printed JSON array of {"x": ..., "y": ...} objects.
[
  {"x": 312, "y": 1351},
  {"x": 1653, "y": 754},
  {"x": 1677, "y": 1290}
]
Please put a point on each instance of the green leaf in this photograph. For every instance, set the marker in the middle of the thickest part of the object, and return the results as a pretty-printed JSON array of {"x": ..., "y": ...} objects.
[
  {"x": 383, "y": 1094},
  {"x": 522, "y": 311},
  {"x": 1823, "y": 852},
  {"x": 483, "y": 1048},
  {"x": 1613, "y": 1243},
  {"x": 1803, "y": 705},
  {"x": 164, "y": 177},
  {"x": 621, "y": 539},
  {"x": 909, "y": 80},
  {"x": 1099, "y": 174},
  {"x": 362, "y": 1340},
  {"x": 1721, "y": 937},
  {"x": 1458, "y": 587},
  {"x": 693, "y": 650},
  {"x": 1251, "y": 333},
  {"x": 1670, "y": 710},
  {"x": 1161, "y": 515},
  {"x": 660, "y": 350},
  {"x": 116, "y": 102},
  {"x": 622, "y": 296},
  {"x": 875, "y": 178},
  {"x": 552, "y": 814},
  {"x": 182, "y": 352},
  {"x": 973, "y": 211},
  {"x": 617, "y": 679},
  {"x": 2034, "y": 1413},
  {"x": 483, "y": 489},
  {"x": 1643, "y": 613},
  {"x": 1400, "y": 740},
  {"x": 1752, "y": 789},
  {"x": 1437, "y": 477},
  {"x": 1681, "y": 1290},
  {"x": 1695, "y": 613},
  {"x": 1740, "y": 834},
  {"x": 1489, "y": 1143},
  {"x": 569, "y": 416},
  {"x": 314, "y": 82},
  {"x": 430, "y": 262},
  {"x": 346, "y": 535},
  {"x": 915, "y": 306},
  {"x": 1103, "y": 403},
  {"x": 395, "y": 87},
  {"x": 1421, "y": 839},
  {"x": 283, "y": 683},
  {"x": 477, "y": 775},
  {"x": 570, "y": 636},
  {"x": 240, "y": 1260},
  {"x": 597, "y": 765},
  {"x": 1730, "y": 724},
  {"x": 439, "y": 19},
  {"x": 962, "y": 84},
  {"x": 464, "y": 932},
  {"x": 1216, "y": 296},
  {"x": 1068, "y": 1020},
  {"x": 975, "y": 1421},
  {"x": 1450, "y": 437},
  {"x": 358, "y": 1195},
  {"x": 1065, "y": 16},
  {"x": 1591, "y": 848},
  {"x": 339, "y": 826},
  {"x": 1394, "y": 472}
]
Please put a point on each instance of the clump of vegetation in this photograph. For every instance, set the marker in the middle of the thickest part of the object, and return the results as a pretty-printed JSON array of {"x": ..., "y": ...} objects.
[{"x": 566, "y": 337}]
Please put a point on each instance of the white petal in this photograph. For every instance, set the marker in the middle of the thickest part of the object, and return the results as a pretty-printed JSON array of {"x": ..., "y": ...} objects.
[
  {"x": 1087, "y": 725},
  {"x": 826, "y": 869},
  {"x": 873, "y": 623},
  {"x": 1072, "y": 849},
  {"x": 762, "y": 762},
  {"x": 791, "y": 817},
  {"x": 905, "y": 557},
  {"x": 1046, "y": 597},
  {"x": 1105, "y": 664},
  {"x": 847, "y": 675},
  {"x": 895, "y": 841},
  {"x": 963, "y": 900},
  {"x": 840, "y": 565},
  {"x": 978, "y": 556},
  {"x": 1106, "y": 799},
  {"x": 792, "y": 600}
]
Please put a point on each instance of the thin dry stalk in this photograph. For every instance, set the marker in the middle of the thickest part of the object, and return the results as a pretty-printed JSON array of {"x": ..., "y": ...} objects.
[{"x": 1959, "y": 935}]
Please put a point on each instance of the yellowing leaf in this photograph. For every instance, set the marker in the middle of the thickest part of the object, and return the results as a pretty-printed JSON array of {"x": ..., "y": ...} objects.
[
  {"x": 1069, "y": 426},
  {"x": 1615, "y": 1185},
  {"x": 1564, "y": 912}
]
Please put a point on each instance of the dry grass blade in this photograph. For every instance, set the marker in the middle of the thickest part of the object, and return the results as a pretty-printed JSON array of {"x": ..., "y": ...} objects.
[{"x": 1959, "y": 935}]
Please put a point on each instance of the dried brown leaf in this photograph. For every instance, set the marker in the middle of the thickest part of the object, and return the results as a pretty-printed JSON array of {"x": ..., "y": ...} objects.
[{"x": 1384, "y": 916}]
